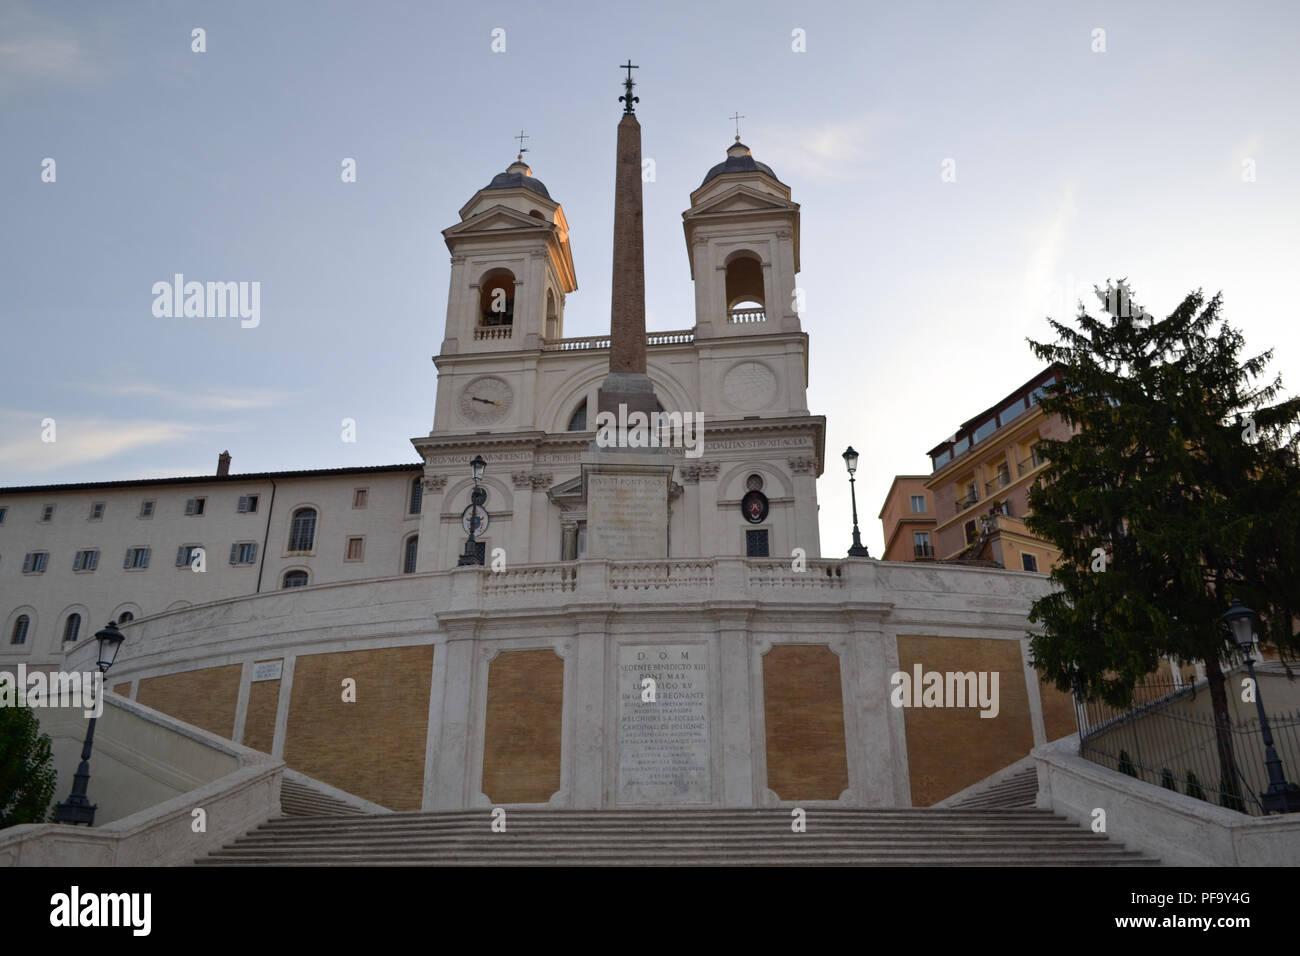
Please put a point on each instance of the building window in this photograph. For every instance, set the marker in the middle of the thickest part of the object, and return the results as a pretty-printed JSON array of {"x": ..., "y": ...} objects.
[
  {"x": 295, "y": 579},
  {"x": 410, "y": 554},
  {"x": 47, "y": 513},
  {"x": 918, "y": 504},
  {"x": 126, "y": 617},
  {"x": 302, "y": 532},
  {"x": 417, "y": 496},
  {"x": 1029, "y": 562},
  {"x": 185, "y": 554},
  {"x": 71, "y": 627},
  {"x": 578, "y": 420},
  {"x": 247, "y": 504},
  {"x": 146, "y": 508},
  {"x": 21, "y": 625},
  {"x": 2, "y": 515},
  {"x": 243, "y": 552},
  {"x": 756, "y": 543},
  {"x": 34, "y": 562},
  {"x": 136, "y": 559},
  {"x": 969, "y": 528},
  {"x": 194, "y": 506},
  {"x": 356, "y": 549},
  {"x": 85, "y": 561},
  {"x": 97, "y": 511},
  {"x": 921, "y": 544},
  {"x": 754, "y": 483},
  {"x": 497, "y": 300},
  {"x": 359, "y": 497},
  {"x": 985, "y": 430}
]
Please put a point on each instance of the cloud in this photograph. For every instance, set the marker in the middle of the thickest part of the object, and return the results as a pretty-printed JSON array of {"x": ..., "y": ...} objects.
[
  {"x": 1045, "y": 288},
  {"x": 80, "y": 441},
  {"x": 835, "y": 151},
  {"x": 243, "y": 400},
  {"x": 36, "y": 51}
]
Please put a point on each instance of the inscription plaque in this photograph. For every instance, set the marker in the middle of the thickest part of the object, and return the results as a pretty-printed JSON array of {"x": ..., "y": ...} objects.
[{"x": 663, "y": 746}]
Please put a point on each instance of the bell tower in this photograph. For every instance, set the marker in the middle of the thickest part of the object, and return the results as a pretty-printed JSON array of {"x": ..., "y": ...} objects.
[{"x": 511, "y": 267}]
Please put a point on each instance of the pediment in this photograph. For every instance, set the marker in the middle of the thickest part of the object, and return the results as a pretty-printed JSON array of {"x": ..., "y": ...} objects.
[
  {"x": 741, "y": 198},
  {"x": 497, "y": 218}
]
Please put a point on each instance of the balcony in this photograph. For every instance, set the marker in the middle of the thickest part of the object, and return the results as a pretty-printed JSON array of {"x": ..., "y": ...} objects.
[
  {"x": 1029, "y": 464},
  {"x": 1001, "y": 481},
  {"x": 964, "y": 503},
  {"x": 740, "y": 316},
  {"x": 493, "y": 332},
  {"x": 675, "y": 337},
  {"x": 922, "y": 551}
]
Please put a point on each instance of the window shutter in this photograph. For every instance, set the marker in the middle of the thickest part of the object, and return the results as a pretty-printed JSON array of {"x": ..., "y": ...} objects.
[
  {"x": 92, "y": 560},
  {"x": 27, "y": 561},
  {"x": 77, "y": 560},
  {"x": 234, "y": 554},
  {"x": 146, "y": 558},
  {"x": 126, "y": 562},
  {"x": 252, "y": 553},
  {"x": 243, "y": 502},
  {"x": 180, "y": 556}
]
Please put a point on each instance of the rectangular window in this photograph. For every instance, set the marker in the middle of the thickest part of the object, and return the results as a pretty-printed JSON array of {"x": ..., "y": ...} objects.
[
  {"x": 247, "y": 504},
  {"x": 1012, "y": 411},
  {"x": 417, "y": 496},
  {"x": 359, "y": 496},
  {"x": 969, "y": 528},
  {"x": 2, "y": 515},
  {"x": 243, "y": 552},
  {"x": 97, "y": 511},
  {"x": 85, "y": 561},
  {"x": 921, "y": 544},
  {"x": 756, "y": 543},
  {"x": 47, "y": 513},
  {"x": 985, "y": 430},
  {"x": 1029, "y": 562},
  {"x": 146, "y": 508},
  {"x": 136, "y": 559},
  {"x": 918, "y": 504},
  {"x": 412, "y": 551},
  {"x": 961, "y": 447},
  {"x": 194, "y": 506},
  {"x": 356, "y": 549},
  {"x": 942, "y": 459},
  {"x": 34, "y": 562},
  {"x": 582, "y": 538},
  {"x": 185, "y": 554}
]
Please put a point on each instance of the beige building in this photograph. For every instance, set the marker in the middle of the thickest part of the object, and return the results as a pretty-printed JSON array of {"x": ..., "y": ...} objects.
[{"x": 907, "y": 518}]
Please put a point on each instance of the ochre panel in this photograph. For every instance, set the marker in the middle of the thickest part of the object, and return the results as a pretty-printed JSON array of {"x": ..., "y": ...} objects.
[
  {"x": 522, "y": 740},
  {"x": 205, "y": 698},
  {"x": 950, "y": 748},
  {"x": 123, "y": 689},
  {"x": 373, "y": 747},
  {"x": 259, "y": 720},
  {"x": 804, "y": 713},
  {"x": 1058, "y": 711}
]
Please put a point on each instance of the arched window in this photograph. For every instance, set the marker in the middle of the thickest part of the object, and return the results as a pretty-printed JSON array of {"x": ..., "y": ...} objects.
[
  {"x": 72, "y": 627},
  {"x": 754, "y": 483},
  {"x": 410, "y": 553},
  {"x": 295, "y": 579},
  {"x": 417, "y": 495},
  {"x": 302, "y": 532},
  {"x": 496, "y": 301},
  {"x": 21, "y": 625},
  {"x": 578, "y": 421},
  {"x": 126, "y": 617},
  {"x": 745, "y": 288},
  {"x": 552, "y": 316}
]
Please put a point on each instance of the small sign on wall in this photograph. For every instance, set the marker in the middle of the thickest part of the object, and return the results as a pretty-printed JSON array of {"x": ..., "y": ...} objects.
[{"x": 267, "y": 670}]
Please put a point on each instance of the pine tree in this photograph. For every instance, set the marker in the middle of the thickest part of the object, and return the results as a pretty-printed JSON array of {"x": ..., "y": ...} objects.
[
  {"x": 26, "y": 773},
  {"x": 1183, "y": 478}
]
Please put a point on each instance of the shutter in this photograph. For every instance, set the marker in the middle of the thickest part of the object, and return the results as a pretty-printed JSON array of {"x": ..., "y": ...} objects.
[
  {"x": 234, "y": 554},
  {"x": 189, "y": 506},
  {"x": 126, "y": 563},
  {"x": 92, "y": 560},
  {"x": 252, "y": 553},
  {"x": 27, "y": 562},
  {"x": 146, "y": 557},
  {"x": 78, "y": 560},
  {"x": 180, "y": 556}
]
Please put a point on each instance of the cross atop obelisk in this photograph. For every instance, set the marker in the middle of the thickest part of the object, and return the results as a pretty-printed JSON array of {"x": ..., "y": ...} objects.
[{"x": 627, "y": 382}]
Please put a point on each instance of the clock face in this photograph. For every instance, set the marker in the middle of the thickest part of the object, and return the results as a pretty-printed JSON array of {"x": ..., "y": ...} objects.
[{"x": 485, "y": 400}]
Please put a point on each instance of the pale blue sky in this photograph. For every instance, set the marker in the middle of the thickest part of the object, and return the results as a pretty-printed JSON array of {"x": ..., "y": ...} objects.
[{"x": 1072, "y": 167}]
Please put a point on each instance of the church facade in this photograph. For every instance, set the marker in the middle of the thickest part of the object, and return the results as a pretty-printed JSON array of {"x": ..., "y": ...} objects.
[{"x": 588, "y": 658}]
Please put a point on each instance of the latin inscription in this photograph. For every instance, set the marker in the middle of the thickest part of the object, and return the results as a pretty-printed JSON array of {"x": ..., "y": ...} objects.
[{"x": 663, "y": 745}]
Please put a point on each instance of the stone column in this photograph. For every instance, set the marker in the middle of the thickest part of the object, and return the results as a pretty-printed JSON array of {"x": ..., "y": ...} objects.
[
  {"x": 735, "y": 650},
  {"x": 804, "y": 531},
  {"x": 590, "y": 698},
  {"x": 711, "y": 519},
  {"x": 432, "y": 553},
  {"x": 517, "y": 545}
]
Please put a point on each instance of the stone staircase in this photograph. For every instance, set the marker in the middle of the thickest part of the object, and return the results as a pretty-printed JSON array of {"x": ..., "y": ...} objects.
[
  {"x": 1016, "y": 792},
  {"x": 708, "y": 837},
  {"x": 299, "y": 799}
]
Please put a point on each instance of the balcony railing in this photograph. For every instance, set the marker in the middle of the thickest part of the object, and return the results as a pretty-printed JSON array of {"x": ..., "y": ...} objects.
[
  {"x": 493, "y": 332},
  {"x": 738, "y": 316},
  {"x": 967, "y": 501},
  {"x": 923, "y": 550},
  {"x": 1001, "y": 481},
  {"x": 675, "y": 337},
  {"x": 1029, "y": 464}
]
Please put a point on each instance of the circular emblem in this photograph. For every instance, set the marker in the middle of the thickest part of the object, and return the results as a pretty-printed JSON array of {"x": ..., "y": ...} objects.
[
  {"x": 475, "y": 519},
  {"x": 754, "y": 507}
]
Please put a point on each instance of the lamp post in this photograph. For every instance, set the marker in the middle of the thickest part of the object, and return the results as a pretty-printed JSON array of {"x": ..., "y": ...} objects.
[
  {"x": 78, "y": 808},
  {"x": 1280, "y": 797},
  {"x": 851, "y": 461},
  {"x": 476, "y": 499}
]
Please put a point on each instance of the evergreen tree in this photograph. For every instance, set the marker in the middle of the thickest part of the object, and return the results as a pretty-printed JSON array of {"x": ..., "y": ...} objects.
[
  {"x": 1179, "y": 491},
  {"x": 26, "y": 771}
]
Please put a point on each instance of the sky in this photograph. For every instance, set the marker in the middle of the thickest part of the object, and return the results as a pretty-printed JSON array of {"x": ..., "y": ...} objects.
[{"x": 1081, "y": 142}]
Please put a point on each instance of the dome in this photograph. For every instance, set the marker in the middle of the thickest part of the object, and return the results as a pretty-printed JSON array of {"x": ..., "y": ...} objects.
[
  {"x": 517, "y": 175},
  {"x": 739, "y": 161}
]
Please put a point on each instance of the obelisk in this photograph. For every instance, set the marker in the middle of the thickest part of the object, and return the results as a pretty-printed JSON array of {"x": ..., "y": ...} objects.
[{"x": 625, "y": 482}]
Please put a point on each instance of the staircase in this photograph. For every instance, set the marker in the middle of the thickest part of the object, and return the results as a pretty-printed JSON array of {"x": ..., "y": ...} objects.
[
  {"x": 1016, "y": 792},
  {"x": 710, "y": 837}
]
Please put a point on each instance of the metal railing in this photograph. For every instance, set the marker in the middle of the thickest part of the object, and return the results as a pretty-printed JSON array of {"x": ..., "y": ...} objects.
[
  {"x": 1029, "y": 464},
  {"x": 1163, "y": 740},
  {"x": 923, "y": 550},
  {"x": 965, "y": 502},
  {"x": 1001, "y": 481}
]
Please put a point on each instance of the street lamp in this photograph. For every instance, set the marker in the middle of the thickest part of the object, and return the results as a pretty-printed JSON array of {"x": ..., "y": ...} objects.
[
  {"x": 1280, "y": 797},
  {"x": 476, "y": 499},
  {"x": 78, "y": 808},
  {"x": 851, "y": 462}
]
